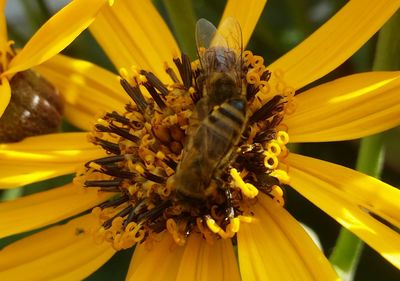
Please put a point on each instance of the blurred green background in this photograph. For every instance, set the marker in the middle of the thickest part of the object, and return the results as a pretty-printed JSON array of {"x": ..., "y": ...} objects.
[{"x": 282, "y": 26}]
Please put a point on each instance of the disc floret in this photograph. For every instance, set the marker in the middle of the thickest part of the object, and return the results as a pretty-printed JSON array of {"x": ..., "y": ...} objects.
[{"x": 144, "y": 145}]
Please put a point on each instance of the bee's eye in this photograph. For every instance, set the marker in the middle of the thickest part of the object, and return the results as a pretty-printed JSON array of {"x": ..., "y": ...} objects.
[{"x": 35, "y": 108}]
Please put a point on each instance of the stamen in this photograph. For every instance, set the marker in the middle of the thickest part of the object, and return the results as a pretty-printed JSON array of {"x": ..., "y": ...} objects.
[
  {"x": 155, "y": 82},
  {"x": 103, "y": 183},
  {"x": 185, "y": 70},
  {"x": 267, "y": 110},
  {"x": 147, "y": 141},
  {"x": 171, "y": 73},
  {"x": 135, "y": 94},
  {"x": 106, "y": 160},
  {"x": 156, "y": 97},
  {"x": 108, "y": 146}
]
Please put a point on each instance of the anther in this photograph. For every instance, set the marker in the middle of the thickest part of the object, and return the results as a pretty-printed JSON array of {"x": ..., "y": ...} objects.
[
  {"x": 116, "y": 202},
  {"x": 106, "y": 160},
  {"x": 156, "y": 97},
  {"x": 171, "y": 73},
  {"x": 155, "y": 82},
  {"x": 103, "y": 183},
  {"x": 121, "y": 214},
  {"x": 135, "y": 94},
  {"x": 185, "y": 70},
  {"x": 267, "y": 110},
  {"x": 109, "y": 146}
]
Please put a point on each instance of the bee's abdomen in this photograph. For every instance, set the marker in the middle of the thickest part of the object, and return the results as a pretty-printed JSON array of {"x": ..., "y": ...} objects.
[{"x": 228, "y": 119}]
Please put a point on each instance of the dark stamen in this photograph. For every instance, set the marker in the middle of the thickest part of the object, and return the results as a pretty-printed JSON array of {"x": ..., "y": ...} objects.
[
  {"x": 171, "y": 163},
  {"x": 267, "y": 110},
  {"x": 153, "y": 177},
  {"x": 156, "y": 97},
  {"x": 155, "y": 82},
  {"x": 135, "y": 94},
  {"x": 123, "y": 213},
  {"x": 106, "y": 160},
  {"x": 123, "y": 132},
  {"x": 110, "y": 189},
  {"x": 275, "y": 121},
  {"x": 117, "y": 172},
  {"x": 265, "y": 76},
  {"x": 155, "y": 212},
  {"x": 109, "y": 146},
  {"x": 185, "y": 70},
  {"x": 251, "y": 91},
  {"x": 264, "y": 136},
  {"x": 172, "y": 74},
  {"x": 138, "y": 208},
  {"x": 115, "y": 116},
  {"x": 103, "y": 183},
  {"x": 115, "y": 202}
]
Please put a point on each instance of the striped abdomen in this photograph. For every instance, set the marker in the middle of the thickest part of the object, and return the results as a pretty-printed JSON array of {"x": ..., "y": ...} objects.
[{"x": 210, "y": 147}]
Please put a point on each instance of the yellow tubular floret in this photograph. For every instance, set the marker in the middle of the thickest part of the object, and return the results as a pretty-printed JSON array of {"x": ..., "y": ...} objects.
[{"x": 247, "y": 189}]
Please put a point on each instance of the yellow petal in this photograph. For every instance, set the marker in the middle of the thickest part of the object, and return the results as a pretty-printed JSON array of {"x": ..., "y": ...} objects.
[
  {"x": 158, "y": 261},
  {"x": 203, "y": 261},
  {"x": 3, "y": 25},
  {"x": 65, "y": 252},
  {"x": 5, "y": 95},
  {"x": 275, "y": 247},
  {"x": 47, "y": 207},
  {"x": 133, "y": 33},
  {"x": 247, "y": 13},
  {"x": 347, "y": 108},
  {"x": 370, "y": 193},
  {"x": 335, "y": 41},
  {"x": 43, "y": 157},
  {"x": 56, "y": 34},
  {"x": 88, "y": 90},
  {"x": 339, "y": 205}
]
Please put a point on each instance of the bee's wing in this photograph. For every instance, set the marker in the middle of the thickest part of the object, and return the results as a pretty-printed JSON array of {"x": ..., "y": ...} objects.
[
  {"x": 215, "y": 47},
  {"x": 230, "y": 36},
  {"x": 205, "y": 32}
]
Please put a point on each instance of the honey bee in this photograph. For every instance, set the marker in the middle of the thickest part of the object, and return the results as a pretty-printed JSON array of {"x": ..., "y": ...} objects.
[{"x": 219, "y": 117}]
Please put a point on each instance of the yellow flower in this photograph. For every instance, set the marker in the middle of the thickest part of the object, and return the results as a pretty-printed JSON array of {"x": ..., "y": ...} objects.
[
  {"x": 57, "y": 33},
  {"x": 272, "y": 245}
]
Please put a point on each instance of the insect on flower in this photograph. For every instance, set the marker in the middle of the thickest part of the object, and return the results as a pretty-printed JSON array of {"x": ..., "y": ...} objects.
[
  {"x": 218, "y": 121},
  {"x": 189, "y": 158}
]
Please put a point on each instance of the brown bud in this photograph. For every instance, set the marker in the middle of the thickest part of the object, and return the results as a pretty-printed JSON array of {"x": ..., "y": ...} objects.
[{"x": 35, "y": 108}]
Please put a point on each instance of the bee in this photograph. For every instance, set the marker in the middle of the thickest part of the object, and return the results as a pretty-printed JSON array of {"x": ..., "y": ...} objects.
[{"x": 219, "y": 118}]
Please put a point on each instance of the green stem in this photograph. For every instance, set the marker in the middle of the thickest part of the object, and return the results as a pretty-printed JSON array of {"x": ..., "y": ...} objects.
[
  {"x": 183, "y": 19},
  {"x": 347, "y": 251}
]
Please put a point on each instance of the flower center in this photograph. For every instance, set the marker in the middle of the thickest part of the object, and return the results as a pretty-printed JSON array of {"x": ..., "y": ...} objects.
[{"x": 145, "y": 144}]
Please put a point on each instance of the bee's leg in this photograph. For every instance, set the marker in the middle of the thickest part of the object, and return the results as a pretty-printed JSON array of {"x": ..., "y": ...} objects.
[
  {"x": 229, "y": 210},
  {"x": 189, "y": 228}
]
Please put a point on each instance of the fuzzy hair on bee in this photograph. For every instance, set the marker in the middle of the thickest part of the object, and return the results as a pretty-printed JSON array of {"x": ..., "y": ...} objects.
[{"x": 220, "y": 115}]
